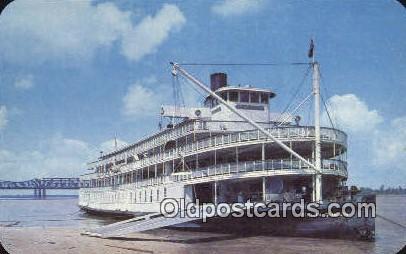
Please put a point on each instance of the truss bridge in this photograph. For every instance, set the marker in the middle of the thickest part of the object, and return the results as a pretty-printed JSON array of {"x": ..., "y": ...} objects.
[{"x": 41, "y": 185}]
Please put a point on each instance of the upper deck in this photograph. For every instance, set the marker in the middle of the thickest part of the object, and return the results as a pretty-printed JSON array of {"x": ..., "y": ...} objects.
[
  {"x": 124, "y": 161},
  {"x": 216, "y": 125},
  {"x": 214, "y": 119}
]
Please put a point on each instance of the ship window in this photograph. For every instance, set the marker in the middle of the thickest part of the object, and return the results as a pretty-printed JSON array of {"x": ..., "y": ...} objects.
[
  {"x": 165, "y": 192},
  {"x": 233, "y": 96},
  {"x": 130, "y": 159},
  {"x": 207, "y": 103},
  {"x": 244, "y": 97},
  {"x": 224, "y": 96},
  {"x": 264, "y": 98},
  {"x": 254, "y": 97},
  {"x": 119, "y": 162},
  {"x": 150, "y": 197}
]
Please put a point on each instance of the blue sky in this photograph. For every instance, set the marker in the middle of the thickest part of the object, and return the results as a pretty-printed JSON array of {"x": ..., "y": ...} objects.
[{"x": 74, "y": 73}]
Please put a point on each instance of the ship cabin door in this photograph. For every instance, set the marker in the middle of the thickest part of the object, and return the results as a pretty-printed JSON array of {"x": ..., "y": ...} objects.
[{"x": 204, "y": 192}]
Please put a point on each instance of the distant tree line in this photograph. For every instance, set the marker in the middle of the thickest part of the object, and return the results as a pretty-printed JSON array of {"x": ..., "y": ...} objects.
[{"x": 385, "y": 190}]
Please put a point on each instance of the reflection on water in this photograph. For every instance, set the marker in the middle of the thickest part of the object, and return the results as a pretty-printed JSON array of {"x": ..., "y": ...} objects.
[{"x": 58, "y": 211}]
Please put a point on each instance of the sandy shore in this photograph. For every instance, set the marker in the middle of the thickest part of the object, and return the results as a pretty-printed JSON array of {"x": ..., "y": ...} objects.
[{"x": 69, "y": 240}]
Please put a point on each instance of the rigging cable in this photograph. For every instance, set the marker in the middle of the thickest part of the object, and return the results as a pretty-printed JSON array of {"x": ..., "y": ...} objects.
[
  {"x": 194, "y": 88},
  {"x": 284, "y": 119},
  {"x": 327, "y": 111},
  {"x": 330, "y": 116},
  {"x": 244, "y": 64},
  {"x": 295, "y": 94},
  {"x": 175, "y": 97},
  {"x": 179, "y": 92}
]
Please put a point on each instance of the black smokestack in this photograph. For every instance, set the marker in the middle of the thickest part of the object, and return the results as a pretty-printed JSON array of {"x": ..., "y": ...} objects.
[{"x": 218, "y": 80}]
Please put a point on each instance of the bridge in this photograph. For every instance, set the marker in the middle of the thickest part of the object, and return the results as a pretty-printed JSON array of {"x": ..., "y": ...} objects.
[{"x": 41, "y": 185}]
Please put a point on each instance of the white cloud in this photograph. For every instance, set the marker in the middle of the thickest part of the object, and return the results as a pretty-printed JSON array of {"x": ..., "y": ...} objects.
[
  {"x": 3, "y": 117},
  {"x": 382, "y": 147},
  {"x": 145, "y": 97},
  {"x": 24, "y": 83},
  {"x": 58, "y": 157},
  {"x": 228, "y": 8},
  {"x": 151, "y": 32},
  {"x": 110, "y": 145},
  {"x": 74, "y": 30},
  {"x": 140, "y": 100},
  {"x": 352, "y": 114},
  {"x": 390, "y": 145}
]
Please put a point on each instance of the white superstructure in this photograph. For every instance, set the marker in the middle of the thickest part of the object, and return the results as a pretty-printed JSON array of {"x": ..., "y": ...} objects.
[{"x": 215, "y": 155}]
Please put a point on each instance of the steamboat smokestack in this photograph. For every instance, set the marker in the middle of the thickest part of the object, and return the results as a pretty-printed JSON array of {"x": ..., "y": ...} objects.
[{"x": 218, "y": 80}]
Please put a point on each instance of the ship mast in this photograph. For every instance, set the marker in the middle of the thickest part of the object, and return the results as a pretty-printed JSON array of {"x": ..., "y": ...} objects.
[
  {"x": 317, "y": 186},
  {"x": 317, "y": 177}
]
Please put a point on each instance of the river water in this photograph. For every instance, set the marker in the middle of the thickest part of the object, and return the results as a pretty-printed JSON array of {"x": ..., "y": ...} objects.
[{"x": 62, "y": 211}]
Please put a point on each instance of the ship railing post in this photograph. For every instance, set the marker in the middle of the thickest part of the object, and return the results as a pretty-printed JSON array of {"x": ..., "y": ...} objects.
[
  {"x": 215, "y": 192},
  {"x": 262, "y": 155}
]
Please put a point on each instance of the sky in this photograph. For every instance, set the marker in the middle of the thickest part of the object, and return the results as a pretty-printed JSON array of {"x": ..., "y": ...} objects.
[{"x": 76, "y": 73}]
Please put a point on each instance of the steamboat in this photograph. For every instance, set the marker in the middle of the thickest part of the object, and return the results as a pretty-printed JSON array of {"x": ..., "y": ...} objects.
[{"x": 233, "y": 148}]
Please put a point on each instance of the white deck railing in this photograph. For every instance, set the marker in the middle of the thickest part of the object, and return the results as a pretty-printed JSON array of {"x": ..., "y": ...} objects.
[
  {"x": 218, "y": 142},
  {"x": 190, "y": 127},
  {"x": 287, "y": 166},
  {"x": 284, "y": 134},
  {"x": 336, "y": 167}
]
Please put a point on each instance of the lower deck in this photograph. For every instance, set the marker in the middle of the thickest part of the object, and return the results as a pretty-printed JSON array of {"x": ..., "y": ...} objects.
[{"x": 128, "y": 198}]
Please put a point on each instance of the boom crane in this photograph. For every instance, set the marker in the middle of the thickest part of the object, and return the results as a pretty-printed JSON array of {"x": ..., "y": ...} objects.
[
  {"x": 177, "y": 68},
  {"x": 317, "y": 167}
]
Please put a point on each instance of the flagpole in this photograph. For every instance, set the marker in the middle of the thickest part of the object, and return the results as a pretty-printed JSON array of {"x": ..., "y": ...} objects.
[{"x": 317, "y": 178}]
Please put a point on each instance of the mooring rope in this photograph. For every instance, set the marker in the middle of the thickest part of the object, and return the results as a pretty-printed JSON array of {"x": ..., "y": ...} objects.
[{"x": 391, "y": 221}]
